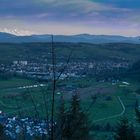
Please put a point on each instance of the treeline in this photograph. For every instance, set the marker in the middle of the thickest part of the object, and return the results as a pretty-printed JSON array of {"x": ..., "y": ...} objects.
[
  {"x": 134, "y": 71},
  {"x": 6, "y": 75}
]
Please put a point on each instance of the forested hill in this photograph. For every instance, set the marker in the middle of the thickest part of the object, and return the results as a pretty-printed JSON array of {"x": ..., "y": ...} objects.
[
  {"x": 27, "y": 51},
  {"x": 84, "y": 38}
]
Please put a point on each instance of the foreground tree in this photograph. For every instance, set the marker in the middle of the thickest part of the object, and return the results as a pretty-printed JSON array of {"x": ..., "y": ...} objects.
[
  {"x": 125, "y": 131},
  {"x": 76, "y": 126},
  {"x": 61, "y": 120},
  {"x": 137, "y": 111},
  {"x": 2, "y": 135}
]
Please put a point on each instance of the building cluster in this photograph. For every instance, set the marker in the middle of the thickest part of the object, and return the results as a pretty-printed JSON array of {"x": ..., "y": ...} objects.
[
  {"x": 70, "y": 70},
  {"x": 15, "y": 127}
]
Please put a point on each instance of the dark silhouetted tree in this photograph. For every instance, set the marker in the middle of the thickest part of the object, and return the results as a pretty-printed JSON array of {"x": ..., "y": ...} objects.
[
  {"x": 125, "y": 131},
  {"x": 137, "y": 111},
  {"x": 2, "y": 135},
  {"x": 76, "y": 127},
  {"x": 61, "y": 118}
]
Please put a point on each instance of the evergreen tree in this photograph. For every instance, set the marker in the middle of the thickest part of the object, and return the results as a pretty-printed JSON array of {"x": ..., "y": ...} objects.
[
  {"x": 2, "y": 135},
  {"x": 137, "y": 111},
  {"x": 136, "y": 104},
  {"x": 37, "y": 138},
  {"x": 131, "y": 133},
  {"x": 125, "y": 131},
  {"x": 76, "y": 127},
  {"x": 108, "y": 127},
  {"x": 61, "y": 116}
]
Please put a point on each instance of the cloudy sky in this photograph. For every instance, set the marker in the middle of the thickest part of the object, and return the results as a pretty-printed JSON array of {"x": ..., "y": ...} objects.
[{"x": 117, "y": 17}]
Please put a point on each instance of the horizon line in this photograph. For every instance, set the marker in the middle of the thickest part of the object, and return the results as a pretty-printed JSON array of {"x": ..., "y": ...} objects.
[{"x": 39, "y": 34}]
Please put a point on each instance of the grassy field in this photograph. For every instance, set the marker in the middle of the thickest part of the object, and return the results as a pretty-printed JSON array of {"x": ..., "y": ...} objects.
[
  {"x": 14, "y": 101},
  {"x": 102, "y": 108},
  {"x": 14, "y": 82}
]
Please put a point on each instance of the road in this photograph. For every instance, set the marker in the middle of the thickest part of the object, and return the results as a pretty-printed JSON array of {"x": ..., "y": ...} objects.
[{"x": 25, "y": 87}]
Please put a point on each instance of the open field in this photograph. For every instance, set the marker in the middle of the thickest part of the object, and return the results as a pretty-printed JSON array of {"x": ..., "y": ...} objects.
[
  {"x": 14, "y": 82},
  {"x": 106, "y": 109},
  {"x": 106, "y": 106}
]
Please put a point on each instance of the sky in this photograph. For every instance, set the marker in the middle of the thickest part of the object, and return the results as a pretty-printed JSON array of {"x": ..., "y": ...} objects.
[{"x": 69, "y": 17}]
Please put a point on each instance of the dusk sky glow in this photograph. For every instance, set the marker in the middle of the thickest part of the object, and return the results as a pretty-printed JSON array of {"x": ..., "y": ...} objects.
[{"x": 111, "y": 17}]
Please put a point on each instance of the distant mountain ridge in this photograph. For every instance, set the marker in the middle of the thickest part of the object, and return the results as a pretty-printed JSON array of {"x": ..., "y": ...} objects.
[{"x": 83, "y": 38}]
